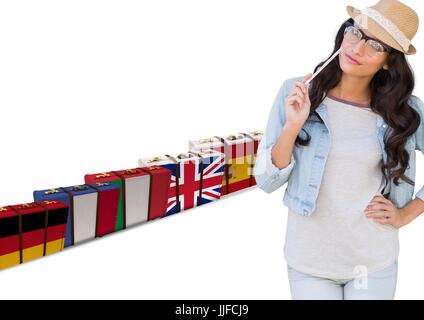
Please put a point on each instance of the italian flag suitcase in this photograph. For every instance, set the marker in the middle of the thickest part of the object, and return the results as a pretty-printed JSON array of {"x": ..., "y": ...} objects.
[{"x": 143, "y": 193}]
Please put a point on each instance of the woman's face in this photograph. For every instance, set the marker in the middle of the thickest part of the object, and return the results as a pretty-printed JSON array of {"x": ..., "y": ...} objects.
[{"x": 368, "y": 65}]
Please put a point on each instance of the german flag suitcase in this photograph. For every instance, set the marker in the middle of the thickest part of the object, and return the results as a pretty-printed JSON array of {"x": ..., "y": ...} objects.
[
  {"x": 92, "y": 209},
  {"x": 32, "y": 230},
  {"x": 10, "y": 254}
]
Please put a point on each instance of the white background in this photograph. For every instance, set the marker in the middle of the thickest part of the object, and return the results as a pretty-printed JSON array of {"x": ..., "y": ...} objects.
[{"x": 91, "y": 86}]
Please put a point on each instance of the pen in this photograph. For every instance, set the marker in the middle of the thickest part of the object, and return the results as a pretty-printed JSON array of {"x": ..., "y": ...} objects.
[{"x": 324, "y": 65}]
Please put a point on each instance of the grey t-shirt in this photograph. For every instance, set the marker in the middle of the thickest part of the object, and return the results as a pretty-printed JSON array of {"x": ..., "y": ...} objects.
[{"x": 338, "y": 239}]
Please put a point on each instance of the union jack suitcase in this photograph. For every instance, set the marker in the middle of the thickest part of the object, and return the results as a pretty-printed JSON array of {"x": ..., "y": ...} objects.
[
  {"x": 92, "y": 209},
  {"x": 196, "y": 178},
  {"x": 32, "y": 230},
  {"x": 209, "y": 175},
  {"x": 251, "y": 150},
  {"x": 213, "y": 143}
]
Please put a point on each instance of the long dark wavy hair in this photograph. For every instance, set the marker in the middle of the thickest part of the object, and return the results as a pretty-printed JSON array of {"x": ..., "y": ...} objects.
[{"x": 390, "y": 91}]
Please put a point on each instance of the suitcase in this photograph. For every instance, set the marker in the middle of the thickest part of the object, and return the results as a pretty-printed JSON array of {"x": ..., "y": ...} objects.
[
  {"x": 143, "y": 193},
  {"x": 160, "y": 179},
  {"x": 30, "y": 231},
  {"x": 93, "y": 209},
  {"x": 171, "y": 165},
  {"x": 212, "y": 171},
  {"x": 237, "y": 164},
  {"x": 252, "y": 150},
  {"x": 213, "y": 143},
  {"x": 188, "y": 177}
]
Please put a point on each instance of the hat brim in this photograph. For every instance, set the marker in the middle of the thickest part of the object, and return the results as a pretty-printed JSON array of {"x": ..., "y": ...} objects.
[{"x": 354, "y": 13}]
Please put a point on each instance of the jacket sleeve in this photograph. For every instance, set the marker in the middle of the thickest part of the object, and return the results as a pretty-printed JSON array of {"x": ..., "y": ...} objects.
[
  {"x": 419, "y": 134},
  {"x": 269, "y": 177}
]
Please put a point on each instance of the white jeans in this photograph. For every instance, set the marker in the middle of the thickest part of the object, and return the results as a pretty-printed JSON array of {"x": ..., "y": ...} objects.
[{"x": 379, "y": 285}]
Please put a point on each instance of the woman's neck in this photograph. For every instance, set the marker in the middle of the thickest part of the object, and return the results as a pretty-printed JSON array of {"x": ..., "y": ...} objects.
[{"x": 353, "y": 88}]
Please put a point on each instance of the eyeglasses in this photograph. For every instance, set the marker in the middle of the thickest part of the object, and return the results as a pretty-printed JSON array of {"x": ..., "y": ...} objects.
[{"x": 354, "y": 35}]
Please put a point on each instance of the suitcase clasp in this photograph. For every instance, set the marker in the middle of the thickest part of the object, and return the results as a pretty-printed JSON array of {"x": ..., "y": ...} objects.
[
  {"x": 100, "y": 184},
  {"x": 206, "y": 140},
  {"x": 79, "y": 188},
  {"x": 51, "y": 191},
  {"x": 154, "y": 159},
  {"x": 152, "y": 168},
  {"x": 27, "y": 206},
  {"x": 103, "y": 175}
]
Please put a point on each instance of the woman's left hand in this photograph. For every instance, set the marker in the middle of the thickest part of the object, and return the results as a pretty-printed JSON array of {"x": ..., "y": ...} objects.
[{"x": 385, "y": 212}]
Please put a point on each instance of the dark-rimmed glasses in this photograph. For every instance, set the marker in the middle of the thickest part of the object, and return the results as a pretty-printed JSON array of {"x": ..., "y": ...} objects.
[{"x": 354, "y": 35}]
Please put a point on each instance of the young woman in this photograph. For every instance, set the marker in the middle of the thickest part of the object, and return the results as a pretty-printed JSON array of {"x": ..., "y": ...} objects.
[{"x": 346, "y": 146}]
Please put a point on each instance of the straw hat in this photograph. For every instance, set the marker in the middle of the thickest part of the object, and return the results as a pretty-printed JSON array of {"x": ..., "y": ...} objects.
[{"x": 390, "y": 21}]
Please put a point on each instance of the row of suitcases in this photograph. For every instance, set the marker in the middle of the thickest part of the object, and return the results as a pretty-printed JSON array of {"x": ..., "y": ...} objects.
[{"x": 115, "y": 200}]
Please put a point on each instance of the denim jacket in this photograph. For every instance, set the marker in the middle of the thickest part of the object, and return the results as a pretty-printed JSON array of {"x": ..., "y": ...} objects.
[{"x": 306, "y": 167}]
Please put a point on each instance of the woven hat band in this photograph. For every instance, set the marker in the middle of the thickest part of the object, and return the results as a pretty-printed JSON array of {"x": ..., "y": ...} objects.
[{"x": 389, "y": 26}]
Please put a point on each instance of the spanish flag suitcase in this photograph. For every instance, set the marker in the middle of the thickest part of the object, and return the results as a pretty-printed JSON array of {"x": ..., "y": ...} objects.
[
  {"x": 251, "y": 150},
  {"x": 237, "y": 162},
  {"x": 93, "y": 209},
  {"x": 32, "y": 230}
]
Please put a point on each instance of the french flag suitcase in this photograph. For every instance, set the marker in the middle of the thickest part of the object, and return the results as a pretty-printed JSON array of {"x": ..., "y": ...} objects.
[
  {"x": 32, "y": 230},
  {"x": 211, "y": 172},
  {"x": 171, "y": 164},
  {"x": 92, "y": 209},
  {"x": 135, "y": 194},
  {"x": 252, "y": 150}
]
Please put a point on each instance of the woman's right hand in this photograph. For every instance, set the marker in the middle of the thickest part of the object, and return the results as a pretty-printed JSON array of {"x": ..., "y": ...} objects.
[{"x": 297, "y": 103}]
